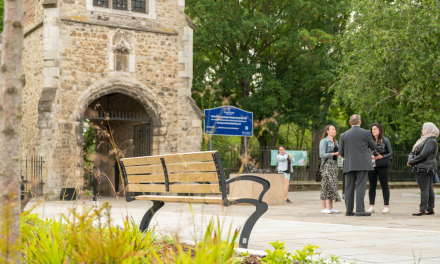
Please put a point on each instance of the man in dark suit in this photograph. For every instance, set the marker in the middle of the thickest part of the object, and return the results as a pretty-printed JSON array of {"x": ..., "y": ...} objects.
[{"x": 354, "y": 146}]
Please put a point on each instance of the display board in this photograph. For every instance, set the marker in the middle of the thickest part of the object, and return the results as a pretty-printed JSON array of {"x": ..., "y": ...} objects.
[{"x": 299, "y": 157}]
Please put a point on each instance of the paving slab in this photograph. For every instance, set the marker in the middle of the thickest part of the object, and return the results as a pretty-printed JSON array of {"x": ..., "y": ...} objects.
[{"x": 381, "y": 238}]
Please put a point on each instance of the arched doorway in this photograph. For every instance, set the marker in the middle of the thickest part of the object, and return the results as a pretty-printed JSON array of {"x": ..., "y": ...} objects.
[{"x": 122, "y": 125}]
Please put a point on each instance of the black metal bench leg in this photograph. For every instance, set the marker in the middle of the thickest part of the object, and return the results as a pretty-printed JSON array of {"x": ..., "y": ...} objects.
[
  {"x": 149, "y": 215},
  {"x": 260, "y": 209}
]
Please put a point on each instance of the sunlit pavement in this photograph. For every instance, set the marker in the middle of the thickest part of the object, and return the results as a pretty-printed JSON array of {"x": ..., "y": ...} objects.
[{"x": 397, "y": 237}]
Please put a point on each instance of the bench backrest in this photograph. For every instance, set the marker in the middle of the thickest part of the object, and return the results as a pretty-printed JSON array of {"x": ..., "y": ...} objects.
[{"x": 196, "y": 172}]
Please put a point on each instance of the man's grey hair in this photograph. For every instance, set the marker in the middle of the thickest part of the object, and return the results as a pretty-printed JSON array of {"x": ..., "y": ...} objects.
[{"x": 355, "y": 120}]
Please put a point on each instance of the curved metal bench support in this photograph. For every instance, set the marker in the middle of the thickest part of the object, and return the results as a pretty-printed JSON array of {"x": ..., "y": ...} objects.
[
  {"x": 149, "y": 215},
  {"x": 260, "y": 206}
]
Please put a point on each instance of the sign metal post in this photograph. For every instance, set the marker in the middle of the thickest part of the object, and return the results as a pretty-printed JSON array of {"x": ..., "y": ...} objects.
[{"x": 245, "y": 153}]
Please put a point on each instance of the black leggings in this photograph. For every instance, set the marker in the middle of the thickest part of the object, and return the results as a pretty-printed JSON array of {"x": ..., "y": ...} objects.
[{"x": 383, "y": 178}]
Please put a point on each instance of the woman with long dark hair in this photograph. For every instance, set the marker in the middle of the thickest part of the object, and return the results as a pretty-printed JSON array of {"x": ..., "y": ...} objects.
[
  {"x": 328, "y": 151},
  {"x": 423, "y": 163},
  {"x": 381, "y": 165}
]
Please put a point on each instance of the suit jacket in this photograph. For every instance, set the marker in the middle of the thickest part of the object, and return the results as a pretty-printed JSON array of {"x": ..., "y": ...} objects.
[{"x": 354, "y": 146}]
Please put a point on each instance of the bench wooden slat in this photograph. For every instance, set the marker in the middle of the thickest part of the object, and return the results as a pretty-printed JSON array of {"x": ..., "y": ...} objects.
[
  {"x": 184, "y": 199},
  {"x": 181, "y": 199},
  {"x": 171, "y": 158},
  {"x": 178, "y": 177},
  {"x": 177, "y": 167},
  {"x": 175, "y": 188}
]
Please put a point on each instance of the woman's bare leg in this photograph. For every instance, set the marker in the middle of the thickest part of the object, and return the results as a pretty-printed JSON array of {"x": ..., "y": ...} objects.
[
  {"x": 323, "y": 204},
  {"x": 286, "y": 188}
]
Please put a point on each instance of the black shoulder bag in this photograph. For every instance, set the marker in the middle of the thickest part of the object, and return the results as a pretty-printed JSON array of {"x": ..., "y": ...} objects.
[
  {"x": 384, "y": 162},
  {"x": 318, "y": 176},
  {"x": 289, "y": 166}
]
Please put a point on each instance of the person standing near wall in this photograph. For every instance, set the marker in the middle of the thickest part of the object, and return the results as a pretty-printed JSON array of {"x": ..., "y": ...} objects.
[
  {"x": 328, "y": 151},
  {"x": 423, "y": 163},
  {"x": 285, "y": 166},
  {"x": 381, "y": 164}
]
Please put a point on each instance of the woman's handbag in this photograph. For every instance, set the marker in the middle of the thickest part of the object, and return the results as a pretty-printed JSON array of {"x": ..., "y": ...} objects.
[
  {"x": 318, "y": 176},
  {"x": 289, "y": 166},
  {"x": 384, "y": 162},
  {"x": 436, "y": 179}
]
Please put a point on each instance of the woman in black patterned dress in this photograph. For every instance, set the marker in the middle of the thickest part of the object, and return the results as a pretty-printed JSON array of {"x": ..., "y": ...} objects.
[{"x": 328, "y": 151}]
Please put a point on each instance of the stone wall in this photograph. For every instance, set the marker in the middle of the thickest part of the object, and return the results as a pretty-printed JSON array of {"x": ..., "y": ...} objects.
[
  {"x": 34, "y": 14},
  {"x": 166, "y": 14},
  {"x": 33, "y": 69},
  {"x": 71, "y": 58}
]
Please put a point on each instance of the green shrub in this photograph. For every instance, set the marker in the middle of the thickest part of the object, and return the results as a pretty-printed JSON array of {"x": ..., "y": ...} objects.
[
  {"x": 89, "y": 237},
  {"x": 212, "y": 249},
  {"x": 85, "y": 238},
  {"x": 305, "y": 256}
]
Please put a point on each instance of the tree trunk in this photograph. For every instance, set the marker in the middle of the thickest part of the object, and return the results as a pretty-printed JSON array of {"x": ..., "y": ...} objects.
[
  {"x": 266, "y": 147},
  {"x": 314, "y": 155},
  {"x": 10, "y": 129}
]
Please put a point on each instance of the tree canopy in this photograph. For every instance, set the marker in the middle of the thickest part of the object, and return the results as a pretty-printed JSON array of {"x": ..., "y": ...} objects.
[
  {"x": 274, "y": 58},
  {"x": 390, "y": 64}
]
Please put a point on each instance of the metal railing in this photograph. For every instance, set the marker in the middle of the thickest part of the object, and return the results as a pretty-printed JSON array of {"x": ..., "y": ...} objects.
[
  {"x": 32, "y": 175},
  {"x": 258, "y": 160}
]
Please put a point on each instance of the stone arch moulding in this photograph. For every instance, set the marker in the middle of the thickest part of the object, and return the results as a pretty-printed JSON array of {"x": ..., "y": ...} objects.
[{"x": 129, "y": 87}]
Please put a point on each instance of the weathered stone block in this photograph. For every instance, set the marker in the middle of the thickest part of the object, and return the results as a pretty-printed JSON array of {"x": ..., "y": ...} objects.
[
  {"x": 54, "y": 72},
  {"x": 50, "y": 55},
  {"x": 196, "y": 123}
]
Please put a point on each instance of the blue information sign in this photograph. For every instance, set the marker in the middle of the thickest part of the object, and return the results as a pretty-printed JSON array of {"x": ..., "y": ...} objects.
[{"x": 228, "y": 121}]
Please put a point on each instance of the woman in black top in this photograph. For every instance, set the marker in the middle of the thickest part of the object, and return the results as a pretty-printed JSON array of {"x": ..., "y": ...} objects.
[
  {"x": 423, "y": 164},
  {"x": 381, "y": 164}
]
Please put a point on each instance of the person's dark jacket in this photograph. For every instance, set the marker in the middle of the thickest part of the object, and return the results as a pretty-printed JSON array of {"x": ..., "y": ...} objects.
[
  {"x": 386, "y": 146},
  {"x": 425, "y": 155},
  {"x": 354, "y": 147}
]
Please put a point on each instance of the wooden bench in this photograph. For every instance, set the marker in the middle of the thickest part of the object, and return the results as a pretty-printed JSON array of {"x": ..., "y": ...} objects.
[{"x": 189, "y": 173}]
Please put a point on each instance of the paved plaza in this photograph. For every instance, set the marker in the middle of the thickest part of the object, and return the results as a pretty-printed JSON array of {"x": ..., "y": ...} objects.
[{"x": 397, "y": 237}]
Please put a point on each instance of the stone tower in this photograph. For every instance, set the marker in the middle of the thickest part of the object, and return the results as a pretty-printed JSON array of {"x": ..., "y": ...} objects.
[{"x": 129, "y": 58}]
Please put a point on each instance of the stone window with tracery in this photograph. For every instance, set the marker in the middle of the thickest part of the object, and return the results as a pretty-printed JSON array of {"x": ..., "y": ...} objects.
[
  {"x": 139, "y": 6},
  {"x": 100, "y": 3}
]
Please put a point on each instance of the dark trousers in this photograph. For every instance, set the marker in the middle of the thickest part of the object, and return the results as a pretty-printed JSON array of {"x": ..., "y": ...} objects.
[
  {"x": 427, "y": 196},
  {"x": 382, "y": 172},
  {"x": 355, "y": 180}
]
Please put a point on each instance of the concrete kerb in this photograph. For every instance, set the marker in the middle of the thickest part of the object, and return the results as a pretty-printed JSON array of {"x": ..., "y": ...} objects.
[
  {"x": 316, "y": 186},
  {"x": 238, "y": 251}
]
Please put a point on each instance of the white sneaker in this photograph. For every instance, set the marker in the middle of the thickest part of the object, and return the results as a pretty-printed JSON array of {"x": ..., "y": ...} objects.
[
  {"x": 326, "y": 211},
  {"x": 371, "y": 210},
  {"x": 386, "y": 210},
  {"x": 334, "y": 211}
]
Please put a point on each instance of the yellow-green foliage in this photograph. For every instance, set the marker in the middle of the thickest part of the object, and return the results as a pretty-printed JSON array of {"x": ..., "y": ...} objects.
[
  {"x": 85, "y": 238},
  {"x": 89, "y": 237},
  {"x": 210, "y": 250}
]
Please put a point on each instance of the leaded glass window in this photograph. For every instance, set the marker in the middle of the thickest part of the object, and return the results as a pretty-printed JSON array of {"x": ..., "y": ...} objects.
[
  {"x": 101, "y": 3},
  {"x": 138, "y": 6},
  {"x": 120, "y": 4}
]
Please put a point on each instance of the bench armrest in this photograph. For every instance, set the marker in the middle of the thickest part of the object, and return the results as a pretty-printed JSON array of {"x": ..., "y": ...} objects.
[{"x": 264, "y": 182}]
